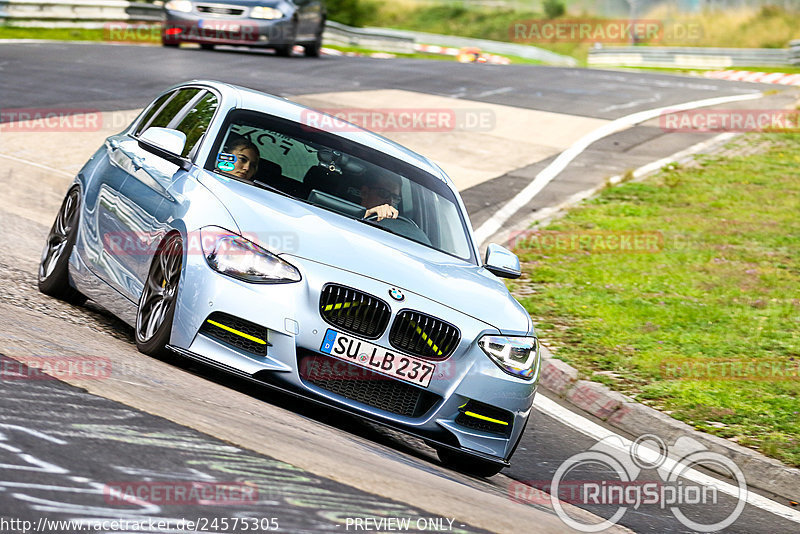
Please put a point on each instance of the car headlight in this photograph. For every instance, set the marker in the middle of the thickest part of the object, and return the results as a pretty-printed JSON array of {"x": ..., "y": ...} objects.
[
  {"x": 183, "y": 6},
  {"x": 269, "y": 13},
  {"x": 516, "y": 355},
  {"x": 233, "y": 255}
]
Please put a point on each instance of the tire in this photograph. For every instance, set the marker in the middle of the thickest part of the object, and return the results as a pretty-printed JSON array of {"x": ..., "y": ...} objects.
[
  {"x": 169, "y": 45},
  {"x": 313, "y": 48},
  {"x": 285, "y": 50},
  {"x": 159, "y": 297},
  {"x": 53, "y": 275},
  {"x": 464, "y": 463},
  {"x": 206, "y": 46}
]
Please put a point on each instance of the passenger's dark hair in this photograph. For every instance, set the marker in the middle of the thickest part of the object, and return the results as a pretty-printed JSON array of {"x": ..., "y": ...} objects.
[{"x": 237, "y": 141}]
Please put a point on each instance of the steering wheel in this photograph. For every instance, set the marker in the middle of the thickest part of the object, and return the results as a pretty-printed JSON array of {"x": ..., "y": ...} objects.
[
  {"x": 374, "y": 217},
  {"x": 402, "y": 226}
]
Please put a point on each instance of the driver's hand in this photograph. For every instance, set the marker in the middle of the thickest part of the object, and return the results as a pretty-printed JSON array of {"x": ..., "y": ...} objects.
[{"x": 384, "y": 211}]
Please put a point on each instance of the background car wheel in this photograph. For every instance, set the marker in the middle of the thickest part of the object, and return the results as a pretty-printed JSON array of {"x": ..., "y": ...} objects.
[
  {"x": 312, "y": 49},
  {"x": 169, "y": 45},
  {"x": 285, "y": 50},
  {"x": 159, "y": 296},
  {"x": 470, "y": 465},
  {"x": 54, "y": 267},
  {"x": 207, "y": 46}
]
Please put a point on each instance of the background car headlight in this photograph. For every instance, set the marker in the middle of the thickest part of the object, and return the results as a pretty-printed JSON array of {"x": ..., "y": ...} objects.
[
  {"x": 518, "y": 356},
  {"x": 232, "y": 255},
  {"x": 183, "y": 6},
  {"x": 269, "y": 13}
]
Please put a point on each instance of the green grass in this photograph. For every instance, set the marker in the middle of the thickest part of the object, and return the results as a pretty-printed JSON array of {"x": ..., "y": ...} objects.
[
  {"x": 724, "y": 286},
  {"x": 58, "y": 34}
]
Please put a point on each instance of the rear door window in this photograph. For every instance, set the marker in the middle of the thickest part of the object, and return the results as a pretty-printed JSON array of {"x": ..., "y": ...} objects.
[
  {"x": 196, "y": 121},
  {"x": 170, "y": 110}
]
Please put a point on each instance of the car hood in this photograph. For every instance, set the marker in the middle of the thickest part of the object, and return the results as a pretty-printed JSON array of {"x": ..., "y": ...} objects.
[{"x": 290, "y": 227}]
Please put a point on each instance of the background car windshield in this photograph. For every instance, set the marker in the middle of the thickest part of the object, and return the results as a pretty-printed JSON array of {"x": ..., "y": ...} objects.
[{"x": 348, "y": 178}]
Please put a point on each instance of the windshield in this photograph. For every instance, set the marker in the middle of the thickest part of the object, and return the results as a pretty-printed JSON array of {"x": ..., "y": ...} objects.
[{"x": 342, "y": 176}]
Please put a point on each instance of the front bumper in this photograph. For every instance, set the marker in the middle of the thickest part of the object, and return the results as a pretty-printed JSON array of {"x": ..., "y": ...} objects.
[
  {"x": 467, "y": 381},
  {"x": 240, "y": 31}
]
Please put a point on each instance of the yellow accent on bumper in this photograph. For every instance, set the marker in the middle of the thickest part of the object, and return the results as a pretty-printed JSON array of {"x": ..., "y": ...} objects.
[
  {"x": 425, "y": 337},
  {"x": 479, "y": 416},
  {"x": 234, "y": 331},
  {"x": 341, "y": 305}
]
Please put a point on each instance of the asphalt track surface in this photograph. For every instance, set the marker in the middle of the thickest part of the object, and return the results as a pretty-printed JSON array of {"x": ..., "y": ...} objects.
[{"x": 103, "y": 77}]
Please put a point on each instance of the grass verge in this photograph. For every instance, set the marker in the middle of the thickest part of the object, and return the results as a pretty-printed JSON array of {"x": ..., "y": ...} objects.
[{"x": 722, "y": 285}]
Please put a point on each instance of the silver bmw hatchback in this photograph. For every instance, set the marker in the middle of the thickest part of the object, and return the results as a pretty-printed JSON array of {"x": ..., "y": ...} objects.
[{"x": 307, "y": 254}]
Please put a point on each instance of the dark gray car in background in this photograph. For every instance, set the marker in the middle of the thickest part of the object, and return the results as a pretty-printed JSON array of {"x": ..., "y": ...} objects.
[{"x": 276, "y": 24}]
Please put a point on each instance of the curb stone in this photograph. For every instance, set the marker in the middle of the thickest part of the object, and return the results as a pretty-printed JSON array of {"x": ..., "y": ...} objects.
[{"x": 633, "y": 418}]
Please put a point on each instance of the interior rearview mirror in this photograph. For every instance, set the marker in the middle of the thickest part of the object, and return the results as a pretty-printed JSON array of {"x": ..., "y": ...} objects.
[{"x": 502, "y": 262}]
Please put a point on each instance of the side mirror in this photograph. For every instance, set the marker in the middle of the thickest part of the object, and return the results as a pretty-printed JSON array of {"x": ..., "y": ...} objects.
[
  {"x": 166, "y": 138},
  {"x": 502, "y": 262},
  {"x": 166, "y": 143}
]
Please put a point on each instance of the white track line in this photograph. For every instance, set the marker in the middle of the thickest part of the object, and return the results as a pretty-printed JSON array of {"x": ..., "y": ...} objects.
[
  {"x": 496, "y": 221},
  {"x": 595, "y": 431},
  {"x": 33, "y": 164}
]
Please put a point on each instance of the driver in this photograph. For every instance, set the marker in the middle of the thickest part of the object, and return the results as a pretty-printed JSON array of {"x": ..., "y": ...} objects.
[{"x": 381, "y": 197}]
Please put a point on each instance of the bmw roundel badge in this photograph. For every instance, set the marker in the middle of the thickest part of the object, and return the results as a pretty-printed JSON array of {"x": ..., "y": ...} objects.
[{"x": 396, "y": 294}]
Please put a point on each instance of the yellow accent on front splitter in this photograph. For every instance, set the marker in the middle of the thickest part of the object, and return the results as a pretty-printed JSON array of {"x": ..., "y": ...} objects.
[
  {"x": 479, "y": 416},
  {"x": 234, "y": 331}
]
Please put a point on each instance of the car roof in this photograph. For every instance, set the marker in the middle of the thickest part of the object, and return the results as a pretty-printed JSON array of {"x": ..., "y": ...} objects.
[{"x": 251, "y": 99}]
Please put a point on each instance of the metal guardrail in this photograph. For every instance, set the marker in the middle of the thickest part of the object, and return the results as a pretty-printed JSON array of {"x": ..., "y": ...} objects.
[
  {"x": 794, "y": 52},
  {"x": 370, "y": 38},
  {"x": 693, "y": 57},
  {"x": 75, "y": 13}
]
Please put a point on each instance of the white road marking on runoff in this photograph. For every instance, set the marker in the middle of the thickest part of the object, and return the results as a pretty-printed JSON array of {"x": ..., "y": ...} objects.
[
  {"x": 496, "y": 221},
  {"x": 34, "y": 164},
  {"x": 494, "y": 92},
  {"x": 595, "y": 431},
  {"x": 632, "y": 103}
]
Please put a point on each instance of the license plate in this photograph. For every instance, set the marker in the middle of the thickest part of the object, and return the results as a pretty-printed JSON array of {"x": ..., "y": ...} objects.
[
  {"x": 376, "y": 358},
  {"x": 218, "y": 25}
]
